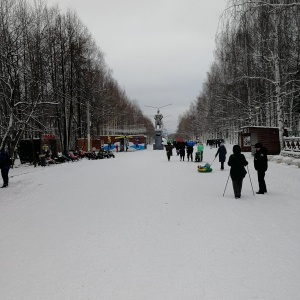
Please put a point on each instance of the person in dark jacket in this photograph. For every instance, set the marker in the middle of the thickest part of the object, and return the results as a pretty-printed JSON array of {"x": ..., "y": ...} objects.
[
  {"x": 169, "y": 150},
  {"x": 222, "y": 155},
  {"x": 182, "y": 150},
  {"x": 261, "y": 166},
  {"x": 237, "y": 162},
  {"x": 5, "y": 163},
  {"x": 189, "y": 150}
]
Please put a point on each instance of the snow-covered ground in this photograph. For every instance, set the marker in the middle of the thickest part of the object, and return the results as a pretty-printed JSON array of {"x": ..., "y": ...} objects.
[{"x": 140, "y": 227}]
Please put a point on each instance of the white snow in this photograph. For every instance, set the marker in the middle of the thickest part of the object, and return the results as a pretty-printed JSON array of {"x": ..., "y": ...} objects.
[{"x": 140, "y": 227}]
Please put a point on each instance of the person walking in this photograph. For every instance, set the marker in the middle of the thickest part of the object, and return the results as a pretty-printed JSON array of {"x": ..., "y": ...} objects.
[
  {"x": 169, "y": 149},
  {"x": 177, "y": 147},
  {"x": 222, "y": 155},
  {"x": 261, "y": 166},
  {"x": 182, "y": 150},
  {"x": 200, "y": 149},
  {"x": 5, "y": 164},
  {"x": 237, "y": 162},
  {"x": 190, "y": 150}
]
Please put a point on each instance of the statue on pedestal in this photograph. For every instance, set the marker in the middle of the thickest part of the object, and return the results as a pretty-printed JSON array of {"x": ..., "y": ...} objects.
[{"x": 158, "y": 145}]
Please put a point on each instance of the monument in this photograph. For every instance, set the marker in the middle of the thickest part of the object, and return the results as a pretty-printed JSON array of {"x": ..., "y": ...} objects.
[
  {"x": 158, "y": 144},
  {"x": 158, "y": 131}
]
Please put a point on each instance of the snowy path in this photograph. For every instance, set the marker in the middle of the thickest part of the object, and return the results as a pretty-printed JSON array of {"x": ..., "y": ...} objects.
[{"x": 140, "y": 227}]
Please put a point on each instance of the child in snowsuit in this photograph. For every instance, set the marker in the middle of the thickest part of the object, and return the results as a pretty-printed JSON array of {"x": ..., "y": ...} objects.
[{"x": 200, "y": 149}]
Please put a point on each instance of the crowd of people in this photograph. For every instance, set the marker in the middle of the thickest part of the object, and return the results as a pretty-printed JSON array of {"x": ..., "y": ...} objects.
[
  {"x": 186, "y": 150},
  {"x": 215, "y": 143},
  {"x": 237, "y": 161}
]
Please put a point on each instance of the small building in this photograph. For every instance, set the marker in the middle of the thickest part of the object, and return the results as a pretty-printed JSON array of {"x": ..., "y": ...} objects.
[
  {"x": 30, "y": 148},
  {"x": 268, "y": 136}
]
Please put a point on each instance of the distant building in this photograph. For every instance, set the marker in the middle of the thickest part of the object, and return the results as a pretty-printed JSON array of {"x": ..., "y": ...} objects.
[
  {"x": 109, "y": 142},
  {"x": 268, "y": 136}
]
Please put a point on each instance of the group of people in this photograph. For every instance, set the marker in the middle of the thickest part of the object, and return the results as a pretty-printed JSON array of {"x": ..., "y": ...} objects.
[
  {"x": 214, "y": 143},
  {"x": 236, "y": 161},
  {"x": 185, "y": 148}
]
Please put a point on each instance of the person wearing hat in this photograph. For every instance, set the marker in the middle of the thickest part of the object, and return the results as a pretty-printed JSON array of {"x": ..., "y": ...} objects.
[
  {"x": 261, "y": 166},
  {"x": 222, "y": 155},
  {"x": 237, "y": 162}
]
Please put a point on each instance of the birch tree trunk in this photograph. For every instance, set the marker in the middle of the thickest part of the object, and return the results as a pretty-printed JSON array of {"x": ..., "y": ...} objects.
[{"x": 279, "y": 101}]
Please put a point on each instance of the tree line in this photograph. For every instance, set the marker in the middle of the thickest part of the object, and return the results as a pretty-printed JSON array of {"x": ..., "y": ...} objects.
[
  {"x": 54, "y": 79},
  {"x": 255, "y": 77}
]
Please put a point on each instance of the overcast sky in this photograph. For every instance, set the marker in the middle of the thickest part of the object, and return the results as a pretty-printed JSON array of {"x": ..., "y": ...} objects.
[{"x": 158, "y": 50}]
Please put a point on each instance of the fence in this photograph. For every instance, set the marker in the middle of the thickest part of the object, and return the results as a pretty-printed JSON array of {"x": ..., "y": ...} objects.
[{"x": 291, "y": 147}]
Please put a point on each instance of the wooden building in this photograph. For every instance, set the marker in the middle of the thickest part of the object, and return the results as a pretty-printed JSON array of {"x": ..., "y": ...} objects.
[
  {"x": 268, "y": 136},
  {"x": 30, "y": 148}
]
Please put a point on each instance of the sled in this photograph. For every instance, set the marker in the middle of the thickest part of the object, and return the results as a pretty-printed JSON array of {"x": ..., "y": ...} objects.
[{"x": 204, "y": 169}]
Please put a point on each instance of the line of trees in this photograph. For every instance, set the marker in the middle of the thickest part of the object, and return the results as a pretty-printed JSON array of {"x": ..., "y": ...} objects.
[
  {"x": 51, "y": 74},
  {"x": 255, "y": 78}
]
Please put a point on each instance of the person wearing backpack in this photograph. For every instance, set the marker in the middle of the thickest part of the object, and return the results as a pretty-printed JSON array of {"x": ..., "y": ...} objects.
[
  {"x": 237, "y": 162},
  {"x": 5, "y": 163}
]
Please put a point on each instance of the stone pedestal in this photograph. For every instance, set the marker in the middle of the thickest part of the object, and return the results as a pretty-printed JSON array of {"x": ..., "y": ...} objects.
[{"x": 158, "y": 140}]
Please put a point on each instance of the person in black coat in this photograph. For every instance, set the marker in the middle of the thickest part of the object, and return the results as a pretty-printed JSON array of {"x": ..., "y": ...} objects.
[
  {"x": 5, "y": 163},
  {"x": 169, "y": 149},
  {"x": 182, "y": 150},
  {"x": 189, "y": 150},
  {"x": 222, "y": 155},
  {"x": 261, "y": 166},
  {"x": 237, "y": 162}
]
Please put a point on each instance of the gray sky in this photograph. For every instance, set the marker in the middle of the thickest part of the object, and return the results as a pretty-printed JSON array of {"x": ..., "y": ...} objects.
[{"x": 158, "y": 50}]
